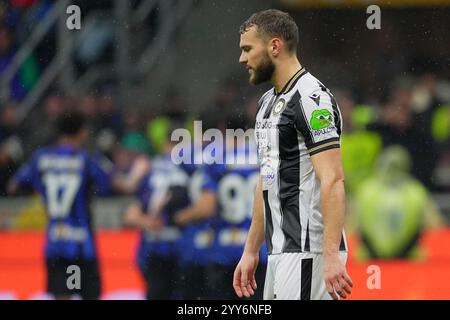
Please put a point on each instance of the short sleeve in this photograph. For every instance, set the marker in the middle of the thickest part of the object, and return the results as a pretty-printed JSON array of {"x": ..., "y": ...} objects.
[
  {"x": 100, "y": 172},
  {"x": 28, "y": 174},
  {"x": 144, "y": 192},
  {"x": 319, "y": 121},
  {"x": 211, "y": 175}
]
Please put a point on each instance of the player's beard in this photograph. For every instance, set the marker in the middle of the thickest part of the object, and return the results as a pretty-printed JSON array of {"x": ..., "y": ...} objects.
[{"x": 264, "y": 71}]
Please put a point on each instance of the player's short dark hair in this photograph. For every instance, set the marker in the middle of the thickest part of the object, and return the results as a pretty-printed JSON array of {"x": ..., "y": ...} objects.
[
  {"x": 70, "y": 123},
  {"x": 274, "y": 23}
]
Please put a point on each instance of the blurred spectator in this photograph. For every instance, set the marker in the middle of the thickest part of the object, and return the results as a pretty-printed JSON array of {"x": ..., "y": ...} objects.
[
  {"x": 393, "y": 209},
  {"x": 41, "y": 124},
  {"x": 8, "y": 121},
  {"x": 131, "y": 154},
  {"x": 136, "y": 143},
  {"x": 95, "y": 42},
  {"x": 360, "y": 147},
  {"x": 88, "y": 105},
  {"x": 105, "y": 120},
  {"x": 442, "y": 172},
  {"x": 28, "y": 72},
  {"x": 133, "y": 121},
  {"x": 7, "y": 52},
  {"x": 11, "y": 148},
  {"x": 157, "y": 129},
  {"x": 433, "y": 116},
  {"x": 31, "y": 14},
  {"x": 399, "y": 125},
  {"x": 10, "y": 14},
  {"x": 174, "y": 114},
  {"x": 228, "y": 101},
  {"x": 109, "y": 117}
]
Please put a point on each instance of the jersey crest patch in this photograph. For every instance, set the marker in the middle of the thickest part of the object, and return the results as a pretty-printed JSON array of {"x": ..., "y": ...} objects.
[{"x": 279, "y": 106}]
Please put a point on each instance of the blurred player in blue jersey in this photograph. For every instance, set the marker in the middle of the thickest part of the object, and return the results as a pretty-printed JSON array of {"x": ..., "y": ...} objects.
[
  {"x": 197, "y": 235},
  {"x": 234, "y": 182},
  {"x": 197, "y": 239},
  {"x": 65, "y": 175},
  {"x": 163, "y": 191}
]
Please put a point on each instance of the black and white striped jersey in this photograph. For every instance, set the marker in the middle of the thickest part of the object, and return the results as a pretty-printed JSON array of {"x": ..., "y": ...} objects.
[{"x": 301, "y": 120}]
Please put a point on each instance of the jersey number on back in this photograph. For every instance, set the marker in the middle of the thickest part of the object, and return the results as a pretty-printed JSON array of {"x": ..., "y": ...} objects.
[
  {"x": 61, "y": 189},
  {"x": 236, "y": 197}
]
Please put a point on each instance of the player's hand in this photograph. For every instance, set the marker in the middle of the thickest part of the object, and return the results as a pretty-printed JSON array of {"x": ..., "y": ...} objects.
[
  {"x": 140, "y": 167},
  {"x": 159, "y": 205},
  {"x": 244, "y": 282},
  {"x": 153, "y": 223},
  {"x": 337, "y": 281},
  {"x": 182, "y": 218}
]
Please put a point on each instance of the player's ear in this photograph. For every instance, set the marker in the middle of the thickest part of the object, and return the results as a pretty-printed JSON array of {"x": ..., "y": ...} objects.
[{"x": 276, "y": 46}]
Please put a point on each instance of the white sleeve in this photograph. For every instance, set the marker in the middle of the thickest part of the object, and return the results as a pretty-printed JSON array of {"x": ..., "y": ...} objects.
[{"x": 319, "y": 121}]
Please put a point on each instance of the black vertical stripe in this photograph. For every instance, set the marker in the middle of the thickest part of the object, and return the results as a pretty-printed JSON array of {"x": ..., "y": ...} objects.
[
  {"x": 269, "y": 223},
  {"x": 336, "y": 114},
  {"x": 334, "y": 105},
  {"x": 306, "y": 280},
  {"x": 289, "y": 179},
  {"x": 307, "y": 245},
  {"x": 300, "y": 120},
  {"x": 342, "y": 244}
]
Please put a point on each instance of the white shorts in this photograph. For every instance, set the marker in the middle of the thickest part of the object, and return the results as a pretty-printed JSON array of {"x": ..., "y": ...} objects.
[{"x": 296, "y": 276}]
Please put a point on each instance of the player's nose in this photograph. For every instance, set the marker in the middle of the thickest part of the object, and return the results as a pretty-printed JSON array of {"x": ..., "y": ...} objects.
[{"x": 243, "y": 58}]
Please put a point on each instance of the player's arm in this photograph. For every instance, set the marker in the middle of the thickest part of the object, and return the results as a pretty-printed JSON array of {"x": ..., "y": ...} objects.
[
  {"x": 135, "y": 217},
  {"x": 204, "y": 208},
  {"x": 328, "y": 168},
  {"x": 244, "y": 282},
  {"x": 24, "y": 177},
  {"x": 102, "y": 172},
  {"x": 318, "y": 121},
  {"x": 128, "y": 183},
  {"x": 255, "y": 236}
]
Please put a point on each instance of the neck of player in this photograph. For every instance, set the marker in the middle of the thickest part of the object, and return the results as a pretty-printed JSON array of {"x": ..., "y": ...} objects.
[
  {"x": 72, "y": 141},
  {"x": 284, "y": 71}
]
